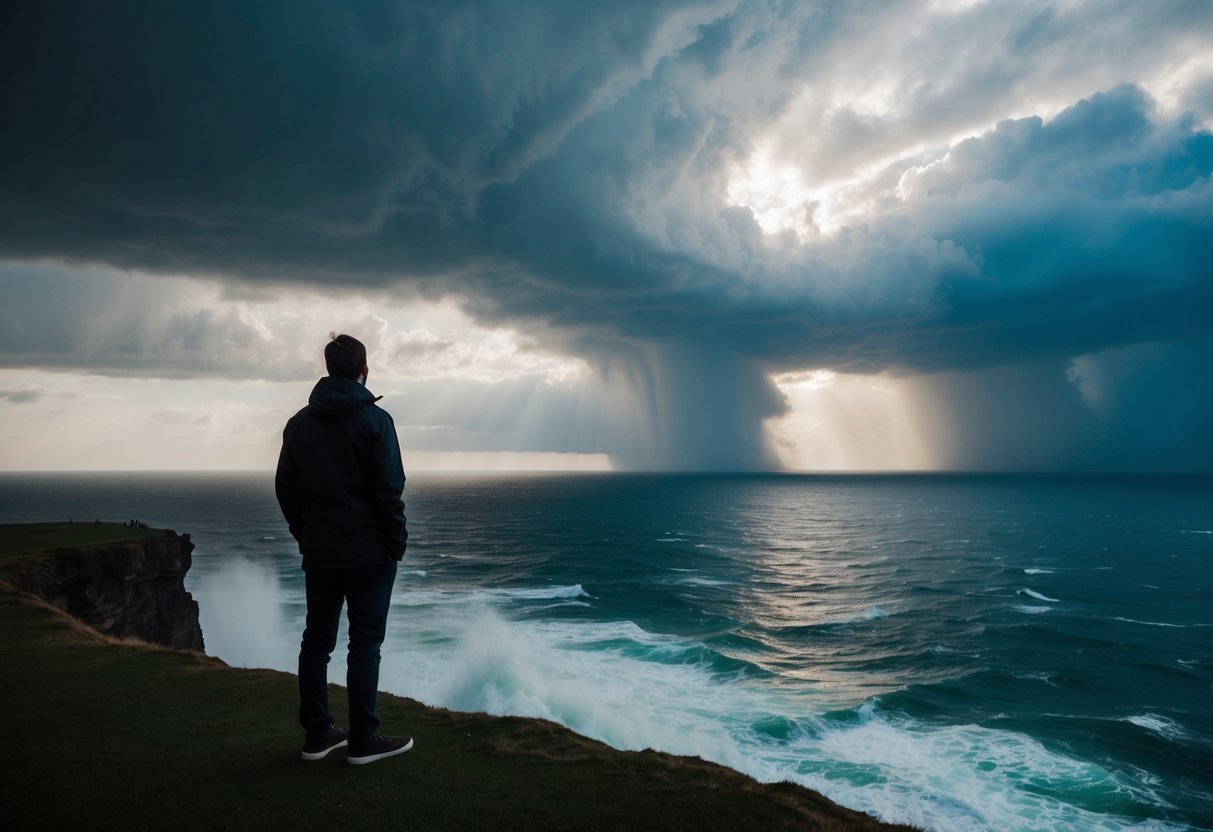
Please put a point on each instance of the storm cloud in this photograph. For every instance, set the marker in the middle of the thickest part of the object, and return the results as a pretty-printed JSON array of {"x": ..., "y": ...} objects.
[{"x": 987, "y": 197}]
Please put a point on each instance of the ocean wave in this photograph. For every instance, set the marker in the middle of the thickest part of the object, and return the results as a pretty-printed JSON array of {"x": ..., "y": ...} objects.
[
  {"x": 1034, "y": 594},
  {"x": 841, "y": 619},
  {"x": 1150, "y": 623},
  {"x": 1166, "y": 728},
  {"x": 575, "y": 591},
  {"x": 671, "y": 540},
  {"x": 961, "y": 777},
  {"x": 1033, "y": 676},
  {"x": 1037, "y": 571},
  {"x": 483, "y": 596},
  {"x": 564, "y": 604},
  {"x": 1029, "y": 610},
  {"x": 630, "y": 688},
  {"x": 702, "y": 582}
]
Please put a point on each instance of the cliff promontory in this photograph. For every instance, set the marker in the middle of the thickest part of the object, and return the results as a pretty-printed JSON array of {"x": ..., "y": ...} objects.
[
  {"x": 126, "y": 588},
  {"x": 104, "y": 716}
]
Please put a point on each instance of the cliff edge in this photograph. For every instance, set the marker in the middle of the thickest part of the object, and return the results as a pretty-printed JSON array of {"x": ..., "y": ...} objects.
[
  {"x": 104, "y": 716},
  {"x": 130, "y": 587}
]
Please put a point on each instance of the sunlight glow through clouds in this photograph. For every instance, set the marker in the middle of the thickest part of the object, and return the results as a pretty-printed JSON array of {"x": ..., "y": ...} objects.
[
  {"x": 839, "y": 422},
  {"x": 1171, "y": 84},
  {"x": 775, "y": 191}
]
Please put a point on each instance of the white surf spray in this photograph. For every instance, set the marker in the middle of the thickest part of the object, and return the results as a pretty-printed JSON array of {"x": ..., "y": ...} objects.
[
  {"x": 1031, "y": 593},
  {"x": 243, "y": 618},
  {"x": 632, "y": 689}
]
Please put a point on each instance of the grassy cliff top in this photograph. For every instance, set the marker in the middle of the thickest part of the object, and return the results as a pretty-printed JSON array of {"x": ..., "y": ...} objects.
[
  {"x": 27, "y": 538},
  {"x": 108, "y": 735}
]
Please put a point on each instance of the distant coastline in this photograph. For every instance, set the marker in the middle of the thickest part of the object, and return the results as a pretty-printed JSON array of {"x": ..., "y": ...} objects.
[{"x": 124, "y": 580}]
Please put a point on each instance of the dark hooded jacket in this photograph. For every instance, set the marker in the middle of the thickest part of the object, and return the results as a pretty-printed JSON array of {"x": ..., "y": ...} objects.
[{"x": 340, "y": 480}]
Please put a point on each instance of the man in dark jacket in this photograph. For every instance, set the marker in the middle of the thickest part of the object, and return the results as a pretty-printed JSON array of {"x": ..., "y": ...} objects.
[{"x": 340, "y": 483}]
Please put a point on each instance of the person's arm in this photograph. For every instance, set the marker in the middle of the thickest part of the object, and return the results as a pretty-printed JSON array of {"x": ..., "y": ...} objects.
[
  {"x": 285, "y": 486},
  {"x": 387, "y": 487}
]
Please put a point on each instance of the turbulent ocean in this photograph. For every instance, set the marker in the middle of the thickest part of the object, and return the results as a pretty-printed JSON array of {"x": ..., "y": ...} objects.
[{"x": 958, "y": 652}]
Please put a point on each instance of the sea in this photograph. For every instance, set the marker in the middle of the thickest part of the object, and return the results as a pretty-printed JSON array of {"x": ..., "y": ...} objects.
[{"x": 959, "y": 652}]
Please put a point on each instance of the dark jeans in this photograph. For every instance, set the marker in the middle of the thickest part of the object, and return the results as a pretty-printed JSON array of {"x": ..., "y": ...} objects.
[{"x": 368, "y": 591}]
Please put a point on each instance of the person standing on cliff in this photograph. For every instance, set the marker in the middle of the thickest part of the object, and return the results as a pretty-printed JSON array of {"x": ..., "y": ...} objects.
[{"x": 340, "y": 484}]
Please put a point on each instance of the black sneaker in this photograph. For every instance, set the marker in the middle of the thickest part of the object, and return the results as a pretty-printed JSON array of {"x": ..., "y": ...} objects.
[
  {"x": 318, "y": 745},
  {"x": 377, "y": 748}
]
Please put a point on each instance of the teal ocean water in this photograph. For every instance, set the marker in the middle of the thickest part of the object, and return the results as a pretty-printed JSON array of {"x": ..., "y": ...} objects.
[{"x": 960, "y": 652}]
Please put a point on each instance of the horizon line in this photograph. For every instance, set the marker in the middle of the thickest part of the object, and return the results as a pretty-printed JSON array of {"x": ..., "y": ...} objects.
[{"x": 740, "y": 472}]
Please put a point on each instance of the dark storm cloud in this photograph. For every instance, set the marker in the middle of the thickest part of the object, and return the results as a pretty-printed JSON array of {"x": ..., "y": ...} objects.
[
  {"x": 311, "y": 141},
  {"x": 562, "y": 167},
  {"x": 382, "y": 142}
]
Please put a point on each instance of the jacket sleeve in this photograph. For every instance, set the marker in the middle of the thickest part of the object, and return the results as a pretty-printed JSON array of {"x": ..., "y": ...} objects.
[
  {"x": 286, "y": 483},
  {"x": 387, "y": 487}
]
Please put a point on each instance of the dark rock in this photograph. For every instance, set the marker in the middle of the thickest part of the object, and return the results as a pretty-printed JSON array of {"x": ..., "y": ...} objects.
[{"x": 128, "y": 589}]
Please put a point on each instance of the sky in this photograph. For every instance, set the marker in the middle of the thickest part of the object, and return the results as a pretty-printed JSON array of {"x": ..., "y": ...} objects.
[{"x": 726, "y": 235}]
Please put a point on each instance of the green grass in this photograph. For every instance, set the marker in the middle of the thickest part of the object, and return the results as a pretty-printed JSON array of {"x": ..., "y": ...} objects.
[
  {"x": 25, "y": 538},
  {"x": 117, "y": 735}
]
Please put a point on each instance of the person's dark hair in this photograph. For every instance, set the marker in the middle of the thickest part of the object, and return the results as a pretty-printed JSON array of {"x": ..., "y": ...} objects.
[{"x": 344, "y": 356}]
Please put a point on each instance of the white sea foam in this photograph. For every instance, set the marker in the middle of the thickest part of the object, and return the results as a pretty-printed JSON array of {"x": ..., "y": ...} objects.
[
  {"x": 240, "y": 609},
  {"x": 702, "y": 582},
  {"x": 852, "y": 617},
  {"x": 950, "y": 778},
  {"x": 671, "y": 540},
  {"x": 1033, "y": 594},
  {"x": 1149, "y": 623},
  {"x": 956, "y": 778},
  {"x": 1034, "y": 676},
  {"x": 564, "y": 604},
  {"x": 448, "y": 597},
  {"x": 1166, "y": 728},
  {"x": 540, "y": 593},
  {"x": 1037, "y": 571},
  {"x": 1029, "y": 610}
]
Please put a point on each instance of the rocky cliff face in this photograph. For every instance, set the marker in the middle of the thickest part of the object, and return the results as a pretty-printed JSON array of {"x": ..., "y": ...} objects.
[{"x": 131, "y": 588}]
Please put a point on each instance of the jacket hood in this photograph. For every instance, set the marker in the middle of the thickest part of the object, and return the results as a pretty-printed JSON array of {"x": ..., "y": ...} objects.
[{"x": 336, "y": 398}]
